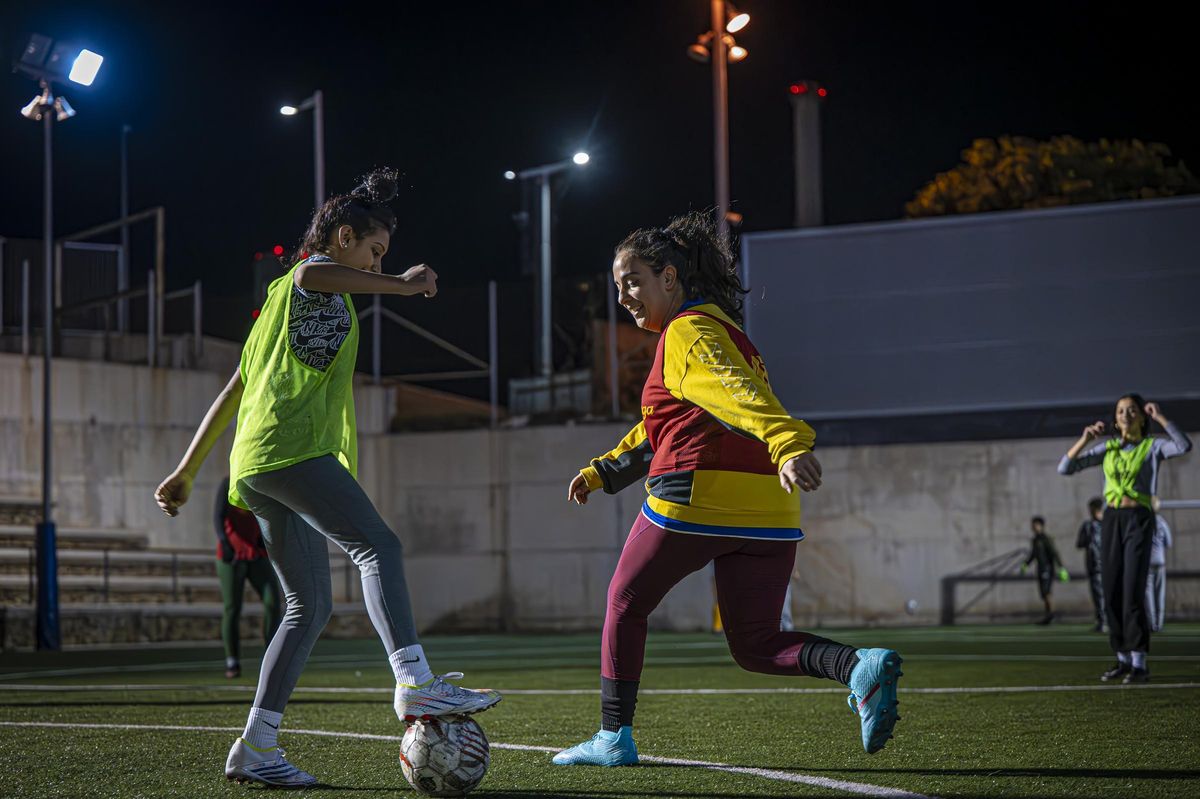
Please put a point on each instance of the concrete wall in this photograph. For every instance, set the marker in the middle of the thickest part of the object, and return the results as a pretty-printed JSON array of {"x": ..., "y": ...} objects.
[{"x": 491, "y": 541}]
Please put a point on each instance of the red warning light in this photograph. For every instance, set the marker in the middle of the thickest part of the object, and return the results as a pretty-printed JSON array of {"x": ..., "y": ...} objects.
[
  {"x": 254, "y": 314},
  {"x": 798, "y": 88},
  {"x": 277, "y": 249},
  {"x": 822, "y": 93}
]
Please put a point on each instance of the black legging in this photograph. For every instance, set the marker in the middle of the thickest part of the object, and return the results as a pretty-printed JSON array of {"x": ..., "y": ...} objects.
[{"x": 1125, "y": 538}]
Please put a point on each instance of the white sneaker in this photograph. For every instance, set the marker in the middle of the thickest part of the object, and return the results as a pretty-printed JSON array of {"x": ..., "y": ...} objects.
[
  {"x": 439, "y": 698},
  {"x": 247, "y": 763}
]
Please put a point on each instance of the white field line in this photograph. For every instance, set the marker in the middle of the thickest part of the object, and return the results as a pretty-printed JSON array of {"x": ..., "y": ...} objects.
[
  {"x": 983, "y": 689},
  {"x": 859, "y": 788},
  {"x": 335, "y": 661}
]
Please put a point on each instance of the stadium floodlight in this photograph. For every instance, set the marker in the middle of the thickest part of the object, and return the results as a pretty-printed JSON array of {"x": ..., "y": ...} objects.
[
  {"x": 84, "y": 69},
  {"x": 34, "y": 109},
  {"x": 62, "y": 109},
  {"x": 510, "y": 175},
  {"x": 581, "y": 158},
  {"x": 288, "y": 110},
  {"x": 737, "y": 20},
  {"x": 44, "y": 59}
]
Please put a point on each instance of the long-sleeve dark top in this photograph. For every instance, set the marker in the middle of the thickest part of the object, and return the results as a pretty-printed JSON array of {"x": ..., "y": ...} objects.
[
  {"x": 1042, "y": 550},
  {"x": 1089, "y": 539}
]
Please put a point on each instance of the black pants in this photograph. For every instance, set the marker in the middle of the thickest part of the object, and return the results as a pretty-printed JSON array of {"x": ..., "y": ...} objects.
[
  {"x": 1096, "y": 586},
  {"x": 1125, "y": 538}
]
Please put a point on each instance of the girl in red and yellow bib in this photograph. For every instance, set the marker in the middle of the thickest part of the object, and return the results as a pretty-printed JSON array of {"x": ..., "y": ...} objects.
[{"x": 721, "y": 460}]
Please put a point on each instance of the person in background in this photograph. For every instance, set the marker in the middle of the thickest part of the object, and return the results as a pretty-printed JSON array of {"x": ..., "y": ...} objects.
[
  {"x": 1088, "y": 539},
  {"x": 241, "y": 557},
  {"x": 1156, "y": 581},
  {"x": 1042, "y": 550}
]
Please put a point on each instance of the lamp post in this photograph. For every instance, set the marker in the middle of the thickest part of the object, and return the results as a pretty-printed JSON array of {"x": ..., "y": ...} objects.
[
  {"x": 542, "y": 176},
  {"x": 718, "y": 47},
  {"x": 47, "y": 62},
  {"x": 315, "y": 103}
]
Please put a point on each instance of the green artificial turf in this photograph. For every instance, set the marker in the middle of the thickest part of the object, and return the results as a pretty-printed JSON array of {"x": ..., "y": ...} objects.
[{"x": 1114, "y": 742}]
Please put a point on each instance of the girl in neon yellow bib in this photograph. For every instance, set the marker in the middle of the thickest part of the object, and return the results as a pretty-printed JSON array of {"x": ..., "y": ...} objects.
[
  {"x": 294, "y": 464},
  {"x": 1130, "y": 462}
]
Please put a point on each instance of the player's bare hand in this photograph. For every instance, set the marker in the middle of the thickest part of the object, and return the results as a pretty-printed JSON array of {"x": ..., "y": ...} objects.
[
  {"x": 173, "y": 492},
  {"x": 422, "y": 277},
  {"x": 578, "y": 491},
  {"x": 1093, "y": 431},
  {"x": 1154, "y": 412},
  {"x": 802, "y": 471}
]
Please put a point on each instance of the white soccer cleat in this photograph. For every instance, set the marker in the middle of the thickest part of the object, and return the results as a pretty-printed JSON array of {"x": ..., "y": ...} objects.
[
  {"x": 247, "y": 763},
  {"x": 439, "y": 698}
]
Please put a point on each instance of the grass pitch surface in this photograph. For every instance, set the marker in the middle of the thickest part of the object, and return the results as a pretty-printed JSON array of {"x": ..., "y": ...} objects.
[{"x": 996, "y": 711}]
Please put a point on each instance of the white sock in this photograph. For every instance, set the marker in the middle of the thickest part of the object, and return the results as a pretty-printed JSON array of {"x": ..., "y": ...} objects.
[
  {"x": 1139, "y": 659},
  {"x": 1123, "y": 657},
  {"x": 262, "y": 728},
  {"x": 409, "y": 665}
]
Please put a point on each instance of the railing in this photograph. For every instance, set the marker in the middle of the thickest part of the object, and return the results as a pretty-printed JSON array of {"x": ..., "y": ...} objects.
[
  {"x": 489, "y": 368},
  {"x": 346, "y": 566},
  {"x": 113, "y": 301}
]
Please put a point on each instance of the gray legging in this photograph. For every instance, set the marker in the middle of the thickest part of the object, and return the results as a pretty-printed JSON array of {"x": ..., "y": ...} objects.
[{"x": 298, "y": 507}]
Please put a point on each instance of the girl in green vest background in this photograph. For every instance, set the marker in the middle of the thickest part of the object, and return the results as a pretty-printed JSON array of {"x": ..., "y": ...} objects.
[
  {"x": 294, "y": 464},
  {"x": 1131, "y": 462}
]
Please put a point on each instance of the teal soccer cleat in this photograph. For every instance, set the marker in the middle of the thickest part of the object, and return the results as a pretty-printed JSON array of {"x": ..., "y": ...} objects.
[
  {"x": 873, "y": 685},
  {"x": 605, "y": 748}
]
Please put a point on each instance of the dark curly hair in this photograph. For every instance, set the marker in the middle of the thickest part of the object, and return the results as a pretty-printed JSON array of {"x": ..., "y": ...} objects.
[
  {"x": 364, "y": 209},
  {"x": 700, "y": 255}
]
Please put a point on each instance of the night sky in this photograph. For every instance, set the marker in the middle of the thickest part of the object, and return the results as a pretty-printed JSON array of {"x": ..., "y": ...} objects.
[{"x": 454, "y": 93}]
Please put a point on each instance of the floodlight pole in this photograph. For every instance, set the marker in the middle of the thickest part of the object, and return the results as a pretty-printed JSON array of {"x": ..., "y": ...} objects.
[
  {"x": 123, "y": 259},
  {"x": 47, "y": 630},
  {"x": 542, "y": 176}
]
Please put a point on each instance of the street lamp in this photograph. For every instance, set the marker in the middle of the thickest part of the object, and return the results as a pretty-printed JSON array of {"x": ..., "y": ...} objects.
[
  {"x": 317, "y": 104},
  {"x": 542, "y": 175},
  {"x": 718, "y": 46},
  {"x": 48, "y": 62}
]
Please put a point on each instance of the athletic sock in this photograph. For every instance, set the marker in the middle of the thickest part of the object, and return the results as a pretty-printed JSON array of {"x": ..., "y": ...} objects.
[
  {"x": 262, "y": 728},
  {"x": 409, "y": 665},
  {"x": 618, "y": 699},
  {"x": 820, "y": 657},
  {"x": 1139, "y": 659},
  {"x": 1123, "y": 658},
  {"x": 231, "y": 663}
]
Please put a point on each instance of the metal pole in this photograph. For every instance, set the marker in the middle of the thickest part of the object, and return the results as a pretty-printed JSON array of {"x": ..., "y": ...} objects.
[
  {"x": 123, "y": 258},
  {"x": 613, "y": 363},
  {"x": 197, "y": 325},
  {"x": 1, "y": 284},
  {"x": 151, "y": 321},
  {"x": 160, "y": 269},
  {"x": 25, "y": 307},
  {"x": 47, "y": 589},
  {"x": 493, "y": 358},
  {"x": 377, "y": 338},
  {"x": 720, "y": 115},
  {"x": 319, "y": 146},
  {"x": 547, "y": 365}
]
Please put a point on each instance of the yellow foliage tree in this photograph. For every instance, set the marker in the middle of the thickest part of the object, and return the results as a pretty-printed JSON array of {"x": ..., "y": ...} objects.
[{"x": 1017, "y": 172}]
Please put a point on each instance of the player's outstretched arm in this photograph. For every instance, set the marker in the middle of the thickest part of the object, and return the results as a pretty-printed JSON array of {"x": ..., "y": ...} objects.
[
  {"x": 177, "y": 487},
  {"x": 335, "y": 278}
]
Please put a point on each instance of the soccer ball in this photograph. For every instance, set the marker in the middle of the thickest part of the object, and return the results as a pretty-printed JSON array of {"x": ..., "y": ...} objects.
[{"x": 444, "y": 757}]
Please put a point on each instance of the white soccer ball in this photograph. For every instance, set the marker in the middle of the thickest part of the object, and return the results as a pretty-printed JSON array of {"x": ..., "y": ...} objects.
[{"x": 444, "y": 757}]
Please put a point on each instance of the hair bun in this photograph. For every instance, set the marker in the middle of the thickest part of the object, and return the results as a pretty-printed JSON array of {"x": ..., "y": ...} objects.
[{"x": 378, "y": 186}]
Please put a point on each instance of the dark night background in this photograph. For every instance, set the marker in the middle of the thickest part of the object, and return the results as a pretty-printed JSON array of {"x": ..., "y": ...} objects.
[{"x": 455, "y": 93}]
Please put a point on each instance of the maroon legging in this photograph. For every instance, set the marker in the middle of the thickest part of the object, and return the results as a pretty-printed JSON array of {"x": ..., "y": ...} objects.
[{"x": 752, "y": 579}]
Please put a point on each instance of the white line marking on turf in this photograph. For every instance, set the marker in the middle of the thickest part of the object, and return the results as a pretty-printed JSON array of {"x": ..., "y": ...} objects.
[
  {"x": 964, "y": 689},
  {"x": 321, "y": 662},
  {"x": 860, "y": 788}
]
